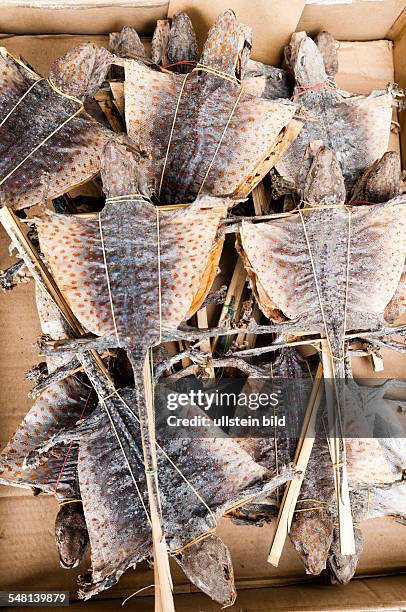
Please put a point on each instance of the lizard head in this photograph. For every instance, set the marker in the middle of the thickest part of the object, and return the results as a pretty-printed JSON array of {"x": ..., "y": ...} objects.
[
  {"x": 71, "y": 536},
  {"x": 305, "y": 60}
]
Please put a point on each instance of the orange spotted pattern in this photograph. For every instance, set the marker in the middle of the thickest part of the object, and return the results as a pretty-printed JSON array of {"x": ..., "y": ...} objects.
[
  {"x": 70, "y": 157},
  {"x": 199, "y": 118},
  {"x": 72, "y": 247},
  {"x": 60, "y": 406},
  {"x": 217, "y": 468},
  {"x": 278, "y": 262}
]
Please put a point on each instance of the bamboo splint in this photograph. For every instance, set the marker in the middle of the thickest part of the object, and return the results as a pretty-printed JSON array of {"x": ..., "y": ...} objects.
[
  {"x": 338, "y": 458},
  {"x": 162, "y": 572},
  {"x": 94, "y": 367},
  {"x": 233, "y": 296},
  {"x": 284, "y": 140},
  {"x": 301, "y": 459}
]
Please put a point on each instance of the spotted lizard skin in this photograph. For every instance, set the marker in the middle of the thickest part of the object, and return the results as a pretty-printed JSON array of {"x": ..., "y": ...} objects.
[
  {"x": 72, "y": 155},
  {"x": 221, "y": 472},
  {"x": 189, "y": 253},
  {"x": 194, "y": 123},
  {"x": 285, "y": 282},
  {"x": 357, "y": 128},
  {"x": 59, "y": 406}
]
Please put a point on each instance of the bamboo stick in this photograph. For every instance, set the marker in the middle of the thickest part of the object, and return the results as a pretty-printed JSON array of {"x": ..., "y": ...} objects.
[
  {"x": 104, "y": 386},
  {"x": 233, "y": 296},
  {"x": 279, "y": 146},
  {"x": 337, "y": 451},
  {"x": 164, "y": 597},
  {"x": 260, "y": 207},
  {"x": 86, "y": 343},
  {"x": 260, "y": 200},
  {"x": 301, "y": 459},
  {"x": 205, "y": 345},
  {"x": 117, "y": 89}
]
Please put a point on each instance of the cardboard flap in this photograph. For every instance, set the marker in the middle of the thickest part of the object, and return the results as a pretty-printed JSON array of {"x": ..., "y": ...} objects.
[
  {"x": 357, "y": 20},
  {"x": 80, "y": 17}
]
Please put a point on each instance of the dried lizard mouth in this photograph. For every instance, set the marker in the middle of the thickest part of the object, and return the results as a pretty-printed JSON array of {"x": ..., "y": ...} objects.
[{"x": 68, "y": 565}]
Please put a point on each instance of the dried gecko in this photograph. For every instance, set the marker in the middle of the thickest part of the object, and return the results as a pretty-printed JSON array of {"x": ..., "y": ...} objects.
[
  {"x": 48, "y": 144},
  {"x": 374, "y": 502},
  {"x": 357, "y": 128},
  {"x": 200, "y": 479},
  {"x": 189, "y": 246},
  {"x": 273, "y": 83},
  {"x": 127, "y": 43},
  {"x": 204, "y": 133},
  {"x": 174, "y": 44},
  {"x": 389, "y": 431},
  {"x": 321, "y": 281},
  {"x": 134, "y": 316}
]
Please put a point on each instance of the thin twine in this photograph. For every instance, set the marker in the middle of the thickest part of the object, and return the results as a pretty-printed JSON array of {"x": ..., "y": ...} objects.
[
  {"x": 106, "y": 408},
  {"x": 218, "y": 73},
  {"x": 316, "y": 501},
  {"x": 11, "y": 111},
  {"x": 159, "y": 273},
  {"x": 70, "y": 444},
  {"x": 180, "y": 63},
  {"x": 308, "y": 509},
  {"x": 150, "y": 586},
  {"x": 214, "y": 72},
  {"x": 103, "y": 400},
  {"x": 178, "y": 470},
  {"x": 316, "y": 281},
  {"x": 65, "y": 502},
  {"x": 171, "y": 134},
  {"x": 132, "y": 197},
  {"x": 108, "y": 280},
  {"x": 221, "y": 140},
  {"x": 320, "y": 85},
  {"x": 41, "y": 144}
]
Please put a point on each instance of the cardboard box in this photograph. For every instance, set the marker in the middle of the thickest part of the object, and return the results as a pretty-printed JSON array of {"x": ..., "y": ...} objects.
[{"x": 40, "y": 31}]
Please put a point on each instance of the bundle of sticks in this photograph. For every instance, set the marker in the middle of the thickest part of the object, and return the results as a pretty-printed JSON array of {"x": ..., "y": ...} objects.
[{"x": 237, "y": 210}]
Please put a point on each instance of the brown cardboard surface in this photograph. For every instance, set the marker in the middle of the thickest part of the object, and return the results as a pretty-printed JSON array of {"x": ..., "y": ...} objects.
[
  {"x": 20, "y": 327},
  {"x": 25, "y": 18},
  {"x": 358, "y": 20},
  {"x": 363, "y": 595},
  {"x": 365, "y": 66},
  {"x": 272, "y": 22},
  {"x": 28, "y": 544},
  {"x": 26, "y": 522}
]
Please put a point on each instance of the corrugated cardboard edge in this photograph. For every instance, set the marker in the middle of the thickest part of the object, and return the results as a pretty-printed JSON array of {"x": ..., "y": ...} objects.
[
  {"x": 101, "y": 17},
  {"x": 367, "y": 20}
]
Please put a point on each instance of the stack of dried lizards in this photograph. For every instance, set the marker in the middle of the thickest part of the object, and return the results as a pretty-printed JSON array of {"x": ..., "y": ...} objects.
[{"x": 129, "y": 296}]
